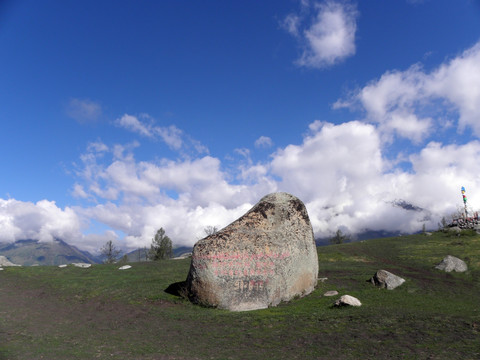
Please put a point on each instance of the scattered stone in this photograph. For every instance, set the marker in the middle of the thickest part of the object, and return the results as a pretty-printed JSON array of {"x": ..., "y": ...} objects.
[
  {"x": 5, "y": 262},
  {"x": 62, "y": 266},
  {"x": 451, "y": 263},
  {"x": 266, "y": 256},
  {"x": 322, "y": 279},
  {"x": 1, "y": 269},
  {"x": 347, "y": 300},
  {"x": 454, "y": 229},
  {"x": 331, "y": 293},
  {"x": 125, "y": 267},
  {"x": 386, "y": 279},
  {"x": 82, "y": 265}
]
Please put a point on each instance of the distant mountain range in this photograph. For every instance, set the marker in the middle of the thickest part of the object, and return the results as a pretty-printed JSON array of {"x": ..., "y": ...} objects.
[
  {"x": 58, "y": 252},
  {"x": 141, "y": 254},
  {"x": 33, "y": 252}
]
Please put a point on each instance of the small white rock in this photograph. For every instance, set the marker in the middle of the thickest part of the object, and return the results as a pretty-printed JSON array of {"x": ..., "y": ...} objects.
[
  {"x": 322, "y": 279},
  {"x": 124, "y": 267},
  {"x": 347, "y": 300},
  {"x": 331, "y": 293},
  {"x": 1, "y": 269},
  {"x": 62, "y": 266},
  {"x": 82, "y": 265}
]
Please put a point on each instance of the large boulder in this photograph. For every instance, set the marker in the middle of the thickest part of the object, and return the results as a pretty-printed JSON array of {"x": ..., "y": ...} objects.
[
  {"x": 451, "y": 263},
  {"x": 385, "y": 279},
  {"x": 265, "y": 257}
]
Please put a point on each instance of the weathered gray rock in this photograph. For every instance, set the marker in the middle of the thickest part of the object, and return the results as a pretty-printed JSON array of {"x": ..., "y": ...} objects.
[
  {"x": 386, "y": 280},
  {"x": 5, "y": 262},
  {"x": 347, "y": 300},
  {"x": 265, "y": 257},
  {"x": 451, "y": 263},
  {"x": 331, "y": 293}
]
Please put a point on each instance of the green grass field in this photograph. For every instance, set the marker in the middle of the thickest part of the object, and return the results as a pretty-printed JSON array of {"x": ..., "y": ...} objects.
[{"x": 104, "y": 313}]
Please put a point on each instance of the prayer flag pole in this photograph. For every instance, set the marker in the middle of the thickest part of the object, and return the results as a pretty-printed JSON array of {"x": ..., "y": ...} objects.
[{"x": 465, "y": 202}]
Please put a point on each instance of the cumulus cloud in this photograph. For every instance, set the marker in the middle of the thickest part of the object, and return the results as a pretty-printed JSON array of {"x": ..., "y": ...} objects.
[
  {"x": 339, "y": 171},
  {"x": 84, "y": 110},
  {"x": 341, "y": 174},
  {"x": 406, "y": 103},
  {"x": 329, "y": 38},
  {"x": 182, "y": 196},
  {"x": 42, "y": 221},
  {"x": 183, "y": 222}
]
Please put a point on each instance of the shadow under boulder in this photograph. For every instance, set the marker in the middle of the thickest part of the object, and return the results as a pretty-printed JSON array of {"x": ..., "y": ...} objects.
[{"x": 177, "y": 289}]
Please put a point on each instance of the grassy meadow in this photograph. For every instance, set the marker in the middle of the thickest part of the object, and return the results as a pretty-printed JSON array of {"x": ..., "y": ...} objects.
[{"x": 104, "y": 313}]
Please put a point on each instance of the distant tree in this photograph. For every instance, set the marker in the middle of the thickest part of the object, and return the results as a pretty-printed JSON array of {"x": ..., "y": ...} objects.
[
  {"x": 210, "y": 230},
  {"x": 443, "y": 224},
  {"x": 161, "y": 247},
  {"x": 110, "y": 252},
  {"x": 339, "y": 238}
]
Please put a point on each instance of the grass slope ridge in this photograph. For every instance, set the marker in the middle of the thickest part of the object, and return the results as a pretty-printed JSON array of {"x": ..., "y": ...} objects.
[{"x": 102, "y": 312}]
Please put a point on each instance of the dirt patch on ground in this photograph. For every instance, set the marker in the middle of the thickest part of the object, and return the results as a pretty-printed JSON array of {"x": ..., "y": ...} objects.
[{"x": 33, "y": 316}]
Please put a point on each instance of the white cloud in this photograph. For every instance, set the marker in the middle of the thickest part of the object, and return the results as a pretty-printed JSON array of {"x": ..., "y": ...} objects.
[
  {"x": 42, "y": 221},
  {"x": 175, "y": 138},
  {"x": 330, "y": 37},
  {"x": 79, "y": 192},
  {"x": 412, "y": 103},
  {"x": 338, "y": 171},
  {"x": 183, "y": 222},
  {"x": 458, "y": 81},
  {"x": 263, "y": 142},
  {"x": 171, "y": 135},
  {"x": 132, "y": 123},
  {"x": 291, "y": 23},
  {"x": 84, "y": 110}
]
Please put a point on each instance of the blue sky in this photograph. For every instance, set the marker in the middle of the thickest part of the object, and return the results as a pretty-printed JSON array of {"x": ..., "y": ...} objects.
[{"x": 117, "y": 118}]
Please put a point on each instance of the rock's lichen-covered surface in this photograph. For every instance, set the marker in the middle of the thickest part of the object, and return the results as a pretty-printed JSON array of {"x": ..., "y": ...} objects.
[{"x": 265, "y": 257}]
